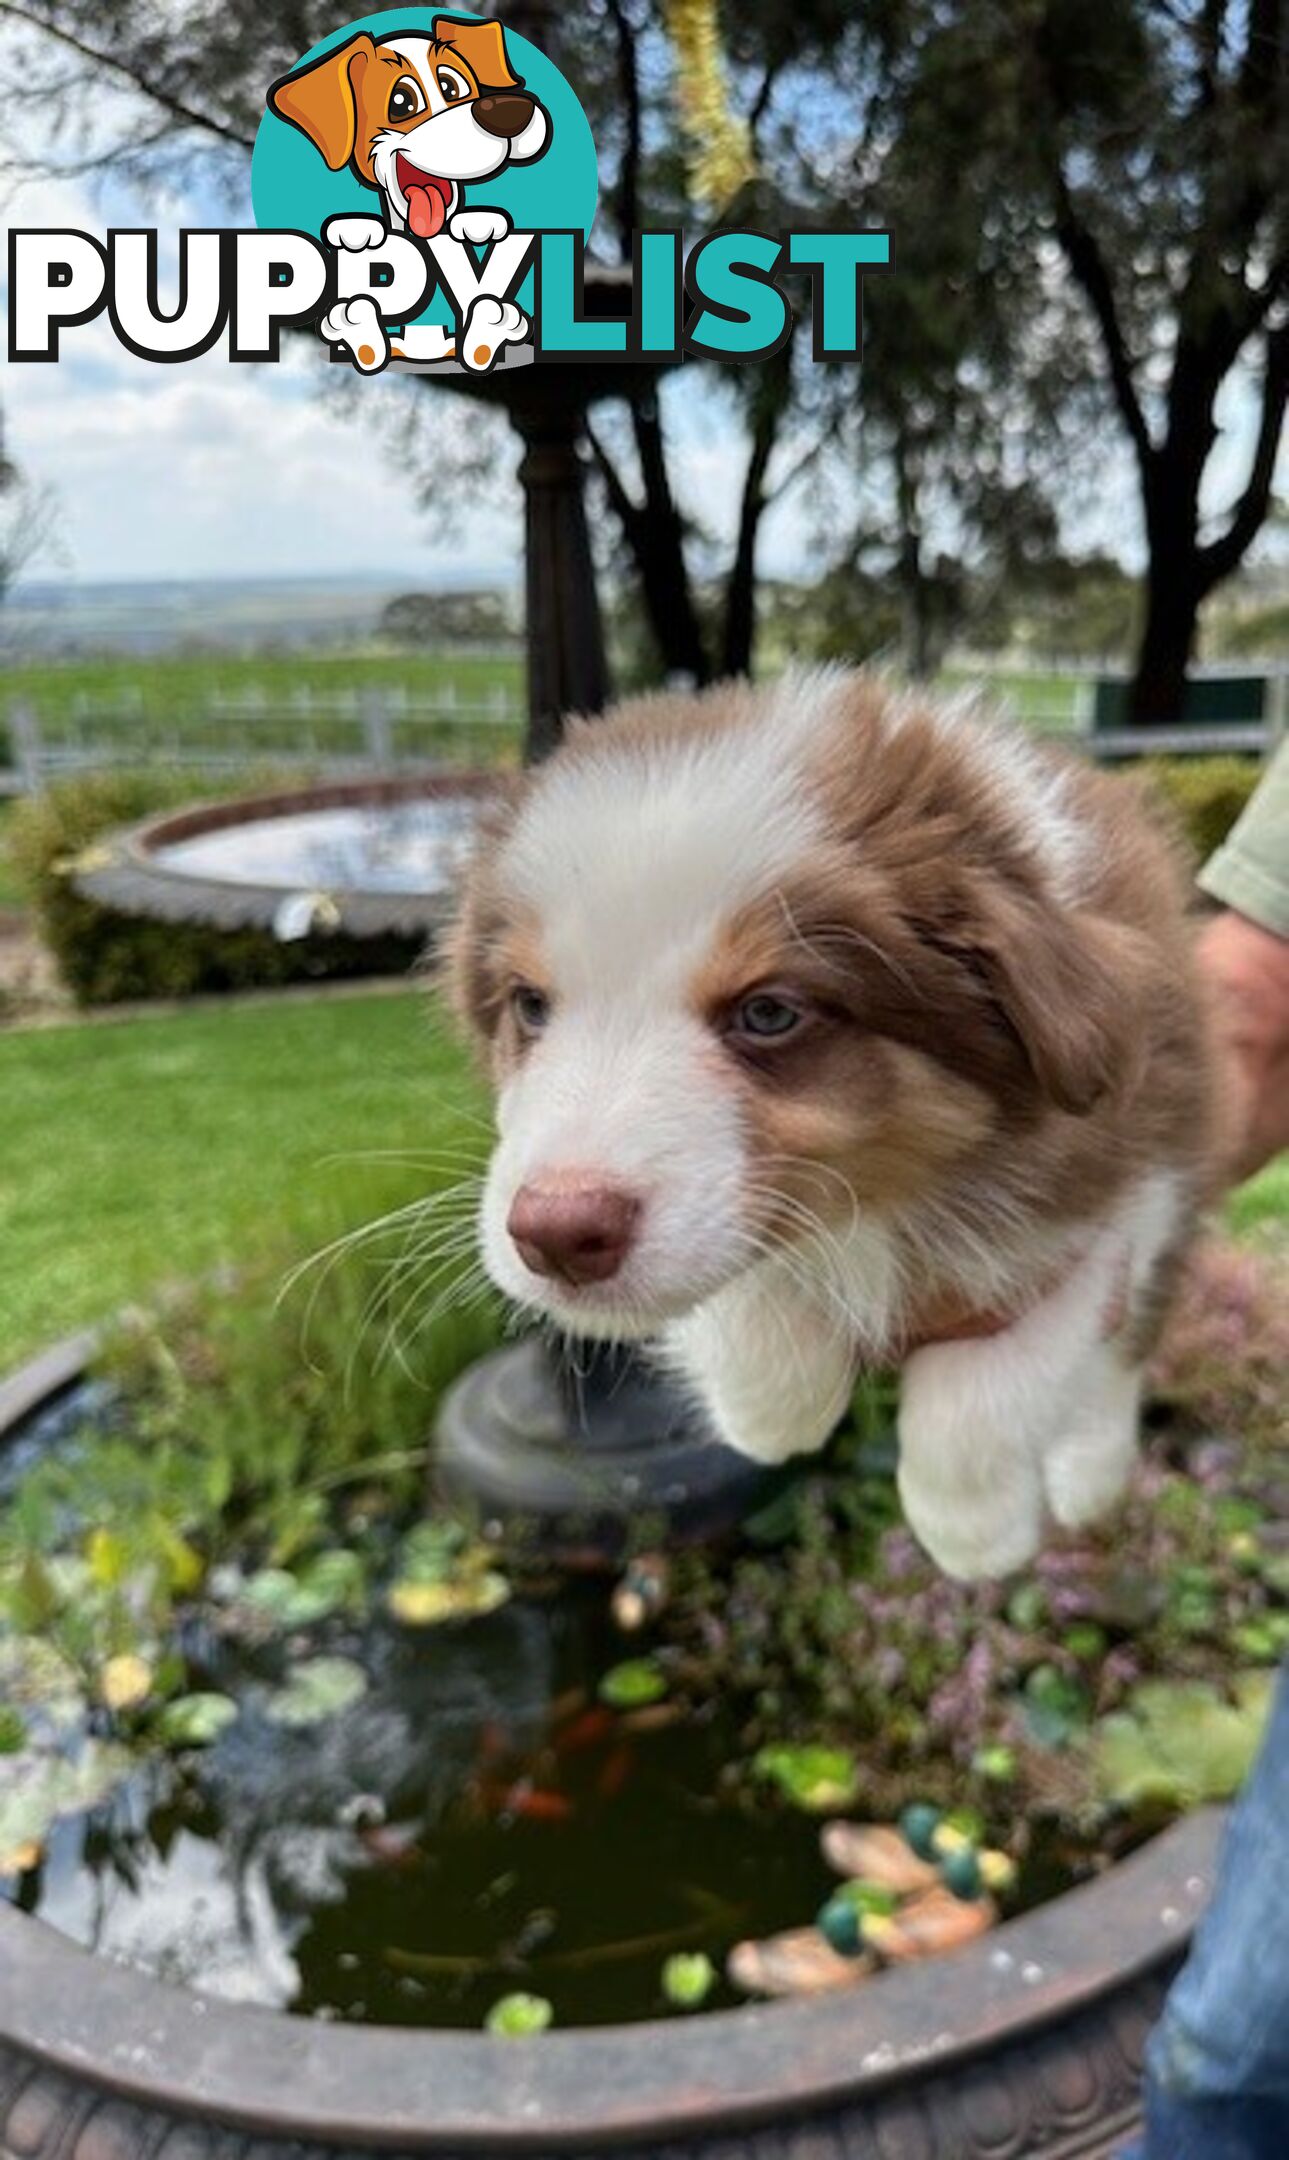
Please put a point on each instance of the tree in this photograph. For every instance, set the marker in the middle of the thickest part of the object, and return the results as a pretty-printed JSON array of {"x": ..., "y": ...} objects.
[
  {"x": 1138, "y": 152},
  {"x": 199, "y": 76},
  {"x": 27, "y": 519}
]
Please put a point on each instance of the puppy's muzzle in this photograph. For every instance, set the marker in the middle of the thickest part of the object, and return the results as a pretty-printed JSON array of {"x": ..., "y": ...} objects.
[
  {"x": 573, "y": 1232},
  {"x": 504, "y": 113}
]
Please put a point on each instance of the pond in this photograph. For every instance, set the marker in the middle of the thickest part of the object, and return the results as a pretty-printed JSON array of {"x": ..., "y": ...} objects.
[
  {"x": 275, "y": 1727},
  {"x": 415, "y": 846},
  {"x": 467, "y": 1820}
]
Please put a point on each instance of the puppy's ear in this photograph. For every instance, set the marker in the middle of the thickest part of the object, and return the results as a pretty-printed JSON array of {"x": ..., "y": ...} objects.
[
  {"x": 482, "y": 45},
  {"x": 466, "y": 963},
  {"x": 322, "y": 99},
  {"x": 1070, "y": 987}
]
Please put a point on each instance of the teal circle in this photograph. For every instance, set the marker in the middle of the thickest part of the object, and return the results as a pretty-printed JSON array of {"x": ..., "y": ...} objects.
[{"x": 293, "y": 191}]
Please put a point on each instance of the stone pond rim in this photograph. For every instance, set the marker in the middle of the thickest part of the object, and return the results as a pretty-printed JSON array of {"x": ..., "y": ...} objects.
[
  {"x": 127, "y": 871},
  {"x": 1024, "y": 2046}
]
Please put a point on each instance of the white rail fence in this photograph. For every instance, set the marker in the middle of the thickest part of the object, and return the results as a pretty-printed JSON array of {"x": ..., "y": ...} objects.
[
  {"x": 397, "y": 728},
  {"x": 386, "y": 730}
]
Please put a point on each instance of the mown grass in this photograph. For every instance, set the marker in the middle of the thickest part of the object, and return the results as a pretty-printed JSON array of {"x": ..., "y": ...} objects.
[
  {"x": 147, "y": 1150},
  {"x": 141, "y": 1151}
]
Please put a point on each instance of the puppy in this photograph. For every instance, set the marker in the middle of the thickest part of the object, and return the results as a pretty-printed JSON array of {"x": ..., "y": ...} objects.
[
  {"x": 418, "y": 119},
  {"x": 831, "y": 1026}
]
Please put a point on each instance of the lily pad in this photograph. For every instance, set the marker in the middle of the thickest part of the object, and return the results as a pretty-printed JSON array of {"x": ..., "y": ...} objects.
[
  {"x": 125, "y": 1682},
  {"x": 39, "y": 1786},
  {"x": 36, "y": 1677},
  {"x": 326, "y": 1586},
  {"x": 319, "y": 1688},
  {"x": 419, "y": 1603},
  {"x": 195, "y": 1720},
  {"x": 633, "y": 1685},
  {"x": 1181, "y": 1742},
  {"x": 688, "y": 1979},
  {"x": 813, "y": 1777},
  {"x": 515, "y": 2017}
]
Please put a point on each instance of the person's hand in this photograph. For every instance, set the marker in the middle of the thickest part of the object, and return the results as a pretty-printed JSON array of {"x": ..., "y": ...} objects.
[{"x": 1247, "y": 970}]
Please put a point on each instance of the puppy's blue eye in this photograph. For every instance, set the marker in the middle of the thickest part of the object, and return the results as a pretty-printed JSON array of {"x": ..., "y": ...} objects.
[
  {"x": 766, "y": 1018},
  {"x": 531, "y": 1008}
]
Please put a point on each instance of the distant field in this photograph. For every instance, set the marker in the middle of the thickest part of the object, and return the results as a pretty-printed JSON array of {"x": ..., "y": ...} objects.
[
  {"x": 268, "y": 702},
  {"x": 1043, "y": 701}
]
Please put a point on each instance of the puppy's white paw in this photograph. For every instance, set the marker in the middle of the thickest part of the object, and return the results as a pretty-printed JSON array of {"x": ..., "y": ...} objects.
[
  {"x": 974, "y": 1538},
  {"x": 479, "y": 228},
  {"x": 490, "y": 326},
  {"x": 356, "y": 325},
  {"x": 354, "y": 234},
  {"x": 1087, "y": 1466}
]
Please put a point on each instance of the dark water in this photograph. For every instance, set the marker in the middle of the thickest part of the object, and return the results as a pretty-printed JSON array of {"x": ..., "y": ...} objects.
[{"x": 476, "y": 1823}]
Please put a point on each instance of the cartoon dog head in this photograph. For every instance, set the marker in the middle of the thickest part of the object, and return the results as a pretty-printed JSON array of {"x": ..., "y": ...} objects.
[{"x": 417, "y": 117}]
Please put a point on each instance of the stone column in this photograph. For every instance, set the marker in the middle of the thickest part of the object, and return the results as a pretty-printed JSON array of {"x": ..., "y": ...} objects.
[{"x": 567, "y": 667}]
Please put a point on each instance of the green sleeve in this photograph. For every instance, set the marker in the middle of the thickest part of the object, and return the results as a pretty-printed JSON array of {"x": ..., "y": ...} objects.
[{"x": 1250, "y": 871}]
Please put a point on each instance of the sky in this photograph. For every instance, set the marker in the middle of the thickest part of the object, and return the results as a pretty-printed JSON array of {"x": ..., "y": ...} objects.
[{"x": 214, "y": 470}]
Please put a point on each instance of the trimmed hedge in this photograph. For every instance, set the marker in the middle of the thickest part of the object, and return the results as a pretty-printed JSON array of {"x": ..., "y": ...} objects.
[
  {"x": 1207, "y": 794},
  {"x": 105, "y": 957}
]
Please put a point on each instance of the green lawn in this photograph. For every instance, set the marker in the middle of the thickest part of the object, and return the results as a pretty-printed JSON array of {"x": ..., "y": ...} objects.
[{"x": 139, "y": 1151}]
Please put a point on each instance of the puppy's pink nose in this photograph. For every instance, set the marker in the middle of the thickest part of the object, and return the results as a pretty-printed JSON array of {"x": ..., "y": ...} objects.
[{"x": 573, "y": 1233}]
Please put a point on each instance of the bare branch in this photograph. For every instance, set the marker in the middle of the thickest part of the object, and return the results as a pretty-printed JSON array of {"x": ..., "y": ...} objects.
[{"x": 179, "y": 110}]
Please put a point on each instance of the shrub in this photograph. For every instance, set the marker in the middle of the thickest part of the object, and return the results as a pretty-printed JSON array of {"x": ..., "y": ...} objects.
[
  {"x": 1207, "y": 794},
  {"x": 105, "y": 956}
]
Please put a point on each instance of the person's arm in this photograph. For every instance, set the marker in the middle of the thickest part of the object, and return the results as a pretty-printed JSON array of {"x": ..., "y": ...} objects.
[{"x": 1244, "y": 953}]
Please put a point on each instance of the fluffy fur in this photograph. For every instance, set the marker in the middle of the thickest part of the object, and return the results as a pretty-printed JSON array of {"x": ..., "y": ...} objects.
[{"x": 818, "y": 1015}]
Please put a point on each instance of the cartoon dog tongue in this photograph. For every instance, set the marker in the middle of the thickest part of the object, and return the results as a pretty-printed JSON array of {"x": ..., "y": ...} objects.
[{"x": 426, "y": 211}]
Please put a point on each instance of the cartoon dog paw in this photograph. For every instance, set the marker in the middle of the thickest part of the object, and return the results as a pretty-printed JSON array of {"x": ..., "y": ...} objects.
[
  {"x": 490, "y": 326},
  {"x": 479, "y": 228},
  {"x": 356, "y": 325},
  {"x": 354, "y": 234}
]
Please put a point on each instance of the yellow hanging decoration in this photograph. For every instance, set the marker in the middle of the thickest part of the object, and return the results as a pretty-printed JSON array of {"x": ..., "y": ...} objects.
[{"x": 720, "y": 142}]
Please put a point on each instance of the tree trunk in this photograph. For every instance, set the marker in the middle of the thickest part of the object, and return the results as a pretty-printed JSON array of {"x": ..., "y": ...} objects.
[
  {"x": 1167, "y": 643},
  {"x": 659, "y": 547}
]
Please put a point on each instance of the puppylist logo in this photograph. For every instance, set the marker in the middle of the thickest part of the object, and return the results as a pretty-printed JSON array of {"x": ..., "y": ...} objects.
[{"x": 424, "y": 186}]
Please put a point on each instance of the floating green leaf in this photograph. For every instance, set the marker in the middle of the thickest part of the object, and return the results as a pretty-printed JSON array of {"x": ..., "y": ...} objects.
[
  {"x": 813, "y": 1777},
  {"x": 428, "y": 1604},
  {"x": 13, "y": 1730},
  {"x": 35, "y": 1676},
  {"x": 328, "y": 1585},
  {"x": 1180, "y": 1742},
  {"x": 515, "y": 2017},
  {"x": 688, "y": 1979},
  {"x": 633, "y": 1685},
  {"x": 38, "y": 1787},
  {"x": 319, "y": 1688},
  {"x": 195, "y": 1720}
]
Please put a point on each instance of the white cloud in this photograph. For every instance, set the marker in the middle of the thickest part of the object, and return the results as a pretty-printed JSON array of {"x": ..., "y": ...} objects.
[{"x": 210, "y": 469}]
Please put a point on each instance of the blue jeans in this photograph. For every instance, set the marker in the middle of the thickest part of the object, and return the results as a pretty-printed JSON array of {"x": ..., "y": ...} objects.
[{"x": 1217, "y": 2064}]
